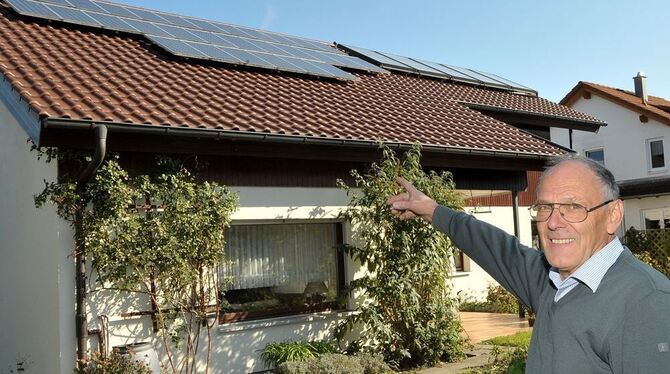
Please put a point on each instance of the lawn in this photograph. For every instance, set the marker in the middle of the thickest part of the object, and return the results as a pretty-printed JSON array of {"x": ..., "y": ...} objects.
[{"x": 520, "y": 339}]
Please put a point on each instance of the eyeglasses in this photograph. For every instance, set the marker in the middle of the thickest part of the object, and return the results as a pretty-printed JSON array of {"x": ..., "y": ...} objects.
[{"x": 573, "y": 213}]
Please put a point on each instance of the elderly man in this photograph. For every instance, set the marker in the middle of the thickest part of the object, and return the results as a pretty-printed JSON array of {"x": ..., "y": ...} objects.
[{"x": 598, "y": 309}]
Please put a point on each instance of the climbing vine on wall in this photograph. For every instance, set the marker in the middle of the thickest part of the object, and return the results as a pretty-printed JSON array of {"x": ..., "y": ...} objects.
[{"x": 160, "y": 234}]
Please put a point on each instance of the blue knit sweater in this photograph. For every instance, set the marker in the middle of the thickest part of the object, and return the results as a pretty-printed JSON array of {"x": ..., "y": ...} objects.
[{"x": 623, "y": 327}]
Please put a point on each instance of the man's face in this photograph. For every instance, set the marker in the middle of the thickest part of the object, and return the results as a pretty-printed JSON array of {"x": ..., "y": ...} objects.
[{"x": 568, "y": 245}]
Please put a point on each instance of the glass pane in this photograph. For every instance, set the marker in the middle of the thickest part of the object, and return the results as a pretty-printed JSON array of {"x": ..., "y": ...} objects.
[
  {"x": 657, "y": 155},
  {"x": 277, "y": 268},
  {"x": 596, "y": 155},
  {"x": 652, "y": 219}
]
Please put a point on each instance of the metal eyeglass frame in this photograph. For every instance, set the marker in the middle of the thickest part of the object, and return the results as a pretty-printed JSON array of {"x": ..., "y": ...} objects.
[{"x": 553, "y": 207}]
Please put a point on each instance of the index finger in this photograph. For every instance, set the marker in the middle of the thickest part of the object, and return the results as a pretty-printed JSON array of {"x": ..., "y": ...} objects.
[{"x": 405, "y": 184}]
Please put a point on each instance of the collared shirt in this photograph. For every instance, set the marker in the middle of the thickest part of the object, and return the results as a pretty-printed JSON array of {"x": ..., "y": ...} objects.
[{"x": 591, "y": 272}]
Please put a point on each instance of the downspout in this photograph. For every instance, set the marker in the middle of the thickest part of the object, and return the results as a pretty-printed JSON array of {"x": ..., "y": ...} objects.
[
  {"x": 517, "y": 233},
  {"x": 100, "y": 133}
]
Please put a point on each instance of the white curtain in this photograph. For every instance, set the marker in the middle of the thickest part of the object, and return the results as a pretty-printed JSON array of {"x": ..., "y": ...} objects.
[{"x": 285, "y": 256}]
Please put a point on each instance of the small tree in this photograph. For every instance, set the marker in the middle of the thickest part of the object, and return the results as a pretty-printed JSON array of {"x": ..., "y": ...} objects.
[
  {"x": 158, "y": 234},
  {"x": 408, "y": 315}
]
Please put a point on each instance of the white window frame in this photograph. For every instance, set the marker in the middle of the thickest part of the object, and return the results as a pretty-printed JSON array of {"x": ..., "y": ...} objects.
[
  {"x": 340, "y": 257},
  {"x": 596, "y": 149},
  {"x": 664, "y": 213},
  {"x": 652, "y": 169}
]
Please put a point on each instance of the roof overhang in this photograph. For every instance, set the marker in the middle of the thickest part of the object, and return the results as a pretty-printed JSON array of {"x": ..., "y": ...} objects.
[
  {"x": 644, "y": 187},
  {"x": 517, "y": 117},
  {"x": 149, "y": 138}
]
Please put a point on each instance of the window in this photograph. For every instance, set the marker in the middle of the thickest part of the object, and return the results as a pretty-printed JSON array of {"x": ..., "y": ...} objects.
[
  {"x": 596, "y": 155},
  {"x": 281, "y": 269},
  {"x": 459, "y": 260},
  {"x": 656, "y": 154},
  {"x": 656, "y": 218}
]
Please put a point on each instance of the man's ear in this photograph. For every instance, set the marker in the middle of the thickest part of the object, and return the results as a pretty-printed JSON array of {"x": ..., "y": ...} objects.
[{"x": 614, "y": 216}]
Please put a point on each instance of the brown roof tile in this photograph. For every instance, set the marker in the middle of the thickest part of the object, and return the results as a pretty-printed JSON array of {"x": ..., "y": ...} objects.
[
  {"x": 657, "y": 108},
  {"x": 67, "y": 71}
]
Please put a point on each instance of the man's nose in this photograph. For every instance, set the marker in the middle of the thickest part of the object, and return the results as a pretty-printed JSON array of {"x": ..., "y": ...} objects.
[{"x": 555, "y": 220}]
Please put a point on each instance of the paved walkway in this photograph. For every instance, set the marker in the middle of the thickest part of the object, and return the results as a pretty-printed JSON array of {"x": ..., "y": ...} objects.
[{"x": 479, "y": 327}]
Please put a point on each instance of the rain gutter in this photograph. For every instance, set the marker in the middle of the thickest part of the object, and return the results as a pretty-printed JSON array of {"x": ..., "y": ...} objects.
[{"x": 216, "y": 134}]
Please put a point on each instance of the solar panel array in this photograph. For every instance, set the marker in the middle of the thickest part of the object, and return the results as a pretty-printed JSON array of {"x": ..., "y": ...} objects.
[
  {"x": 434, "y": 69},
  {"x": 202, "y": 39}
]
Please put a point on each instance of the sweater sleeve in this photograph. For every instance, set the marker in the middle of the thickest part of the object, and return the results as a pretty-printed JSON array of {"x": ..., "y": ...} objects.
[
  {"x": 521, "y": 270},
  {"x": 646, "y": 335}
]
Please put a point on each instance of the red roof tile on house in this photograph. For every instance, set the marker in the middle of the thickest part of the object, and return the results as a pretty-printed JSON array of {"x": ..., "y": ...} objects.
[
  {"x": 80, "y": 73},
  {"x": 657, "y": 108}
]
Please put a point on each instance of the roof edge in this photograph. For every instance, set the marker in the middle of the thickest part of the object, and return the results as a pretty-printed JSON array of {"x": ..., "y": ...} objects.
[
  {"x": 70, "y": 124},
  {"x": 575, "y": 94},
  {"x": 18, "y": 107},
  {"x": 591, "y": 125}
]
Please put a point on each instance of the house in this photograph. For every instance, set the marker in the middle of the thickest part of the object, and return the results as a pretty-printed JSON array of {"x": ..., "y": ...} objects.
[
  {"x": 632, "y": 146},
  {"x": 278, "y": 118}
]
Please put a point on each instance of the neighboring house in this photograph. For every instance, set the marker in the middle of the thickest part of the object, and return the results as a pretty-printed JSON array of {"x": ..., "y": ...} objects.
[
  {"x": 634, "y": 146},
  {"x": 278, "y": 118}
]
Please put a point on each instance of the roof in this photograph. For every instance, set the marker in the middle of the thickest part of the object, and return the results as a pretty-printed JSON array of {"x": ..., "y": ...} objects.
[
  {"x": 657, "y": 108},
  {"x": 642, "y": 187},
  {"x": 80, "y": 74}
]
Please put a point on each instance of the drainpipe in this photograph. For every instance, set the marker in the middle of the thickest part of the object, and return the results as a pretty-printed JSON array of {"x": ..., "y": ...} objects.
[
  {"x": 517, "y": 233},
  {"x": 100, "y": 132}
]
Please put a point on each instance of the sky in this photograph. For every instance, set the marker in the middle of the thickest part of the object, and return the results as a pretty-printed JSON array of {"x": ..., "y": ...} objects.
[{"x": 546, "y": 45}]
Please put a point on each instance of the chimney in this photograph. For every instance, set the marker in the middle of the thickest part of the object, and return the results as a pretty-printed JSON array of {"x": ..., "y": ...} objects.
[{"x": 641, "y": 87}]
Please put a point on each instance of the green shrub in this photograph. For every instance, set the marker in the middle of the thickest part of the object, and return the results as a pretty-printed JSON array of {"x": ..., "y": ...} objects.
[
  {"x": 651, "y": 247},
  {"x": 114, "y": 364},
  {"x": 294, "y": 367},
  {"x": 504, "y": 362},
  {"x": 502, "y": 300},
  {"x": 498, "y": 300},
  {"x": 373, "y": 364},
  {"x": 410, "y": 315},
  {"x": 277, "y": 353},
  {"x": 334, "y": 363}
]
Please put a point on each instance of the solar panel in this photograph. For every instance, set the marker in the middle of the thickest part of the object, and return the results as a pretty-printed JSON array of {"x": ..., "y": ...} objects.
[
  {"x": 197, "y": 38},
  {"x": 118, "y": 10},
  {"x": 422, "y": 67},
  {"x": 58, "y": 2},
  {"x": 178, "y": 47},
  {"x": 87, "y": 5},
  {"x": 67, "y": 13},
  {"x": 32, "y": 8},
  {"x": 111, "y": 22}
]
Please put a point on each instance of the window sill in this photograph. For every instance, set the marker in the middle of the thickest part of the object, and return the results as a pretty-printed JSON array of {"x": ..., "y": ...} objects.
[
  {"x": 281, "y": 321},
  {"x": 657, "y": 170},
  {"x": 459, "y": 274}
]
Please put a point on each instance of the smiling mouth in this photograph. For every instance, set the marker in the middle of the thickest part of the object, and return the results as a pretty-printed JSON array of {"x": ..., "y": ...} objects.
[{"x": 561, "y": 241}]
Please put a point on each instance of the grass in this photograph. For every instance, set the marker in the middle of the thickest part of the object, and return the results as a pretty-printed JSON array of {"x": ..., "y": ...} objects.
[{"x": 520, "y": 339}]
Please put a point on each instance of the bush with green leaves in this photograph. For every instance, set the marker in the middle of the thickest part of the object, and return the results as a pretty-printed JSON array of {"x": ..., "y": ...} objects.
[
  {"x": 160, "y": 234},
  {"x": 277, "y": 353},
  {"x": 114, "y": 364},
  {"x": 504, "y": 362},
  {"x": 498, "y": 300},
  {"x": 334, "y": 363},
  {"x": 651, "y": 247},
  {"x": 409, "y": 315}
]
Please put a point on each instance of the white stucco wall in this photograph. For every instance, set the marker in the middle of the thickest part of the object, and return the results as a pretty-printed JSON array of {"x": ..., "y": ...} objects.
[
  {"x": 473, "y": 283},
  {"x": 236, "y": 346},
  {"x": 36, "y": 274},
  {"x": 624, "y": 139},
  {"x": 634, "y": 208}
]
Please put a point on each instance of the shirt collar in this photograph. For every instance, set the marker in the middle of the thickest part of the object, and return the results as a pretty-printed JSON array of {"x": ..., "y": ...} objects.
[{"x": 592, "y": 271}]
